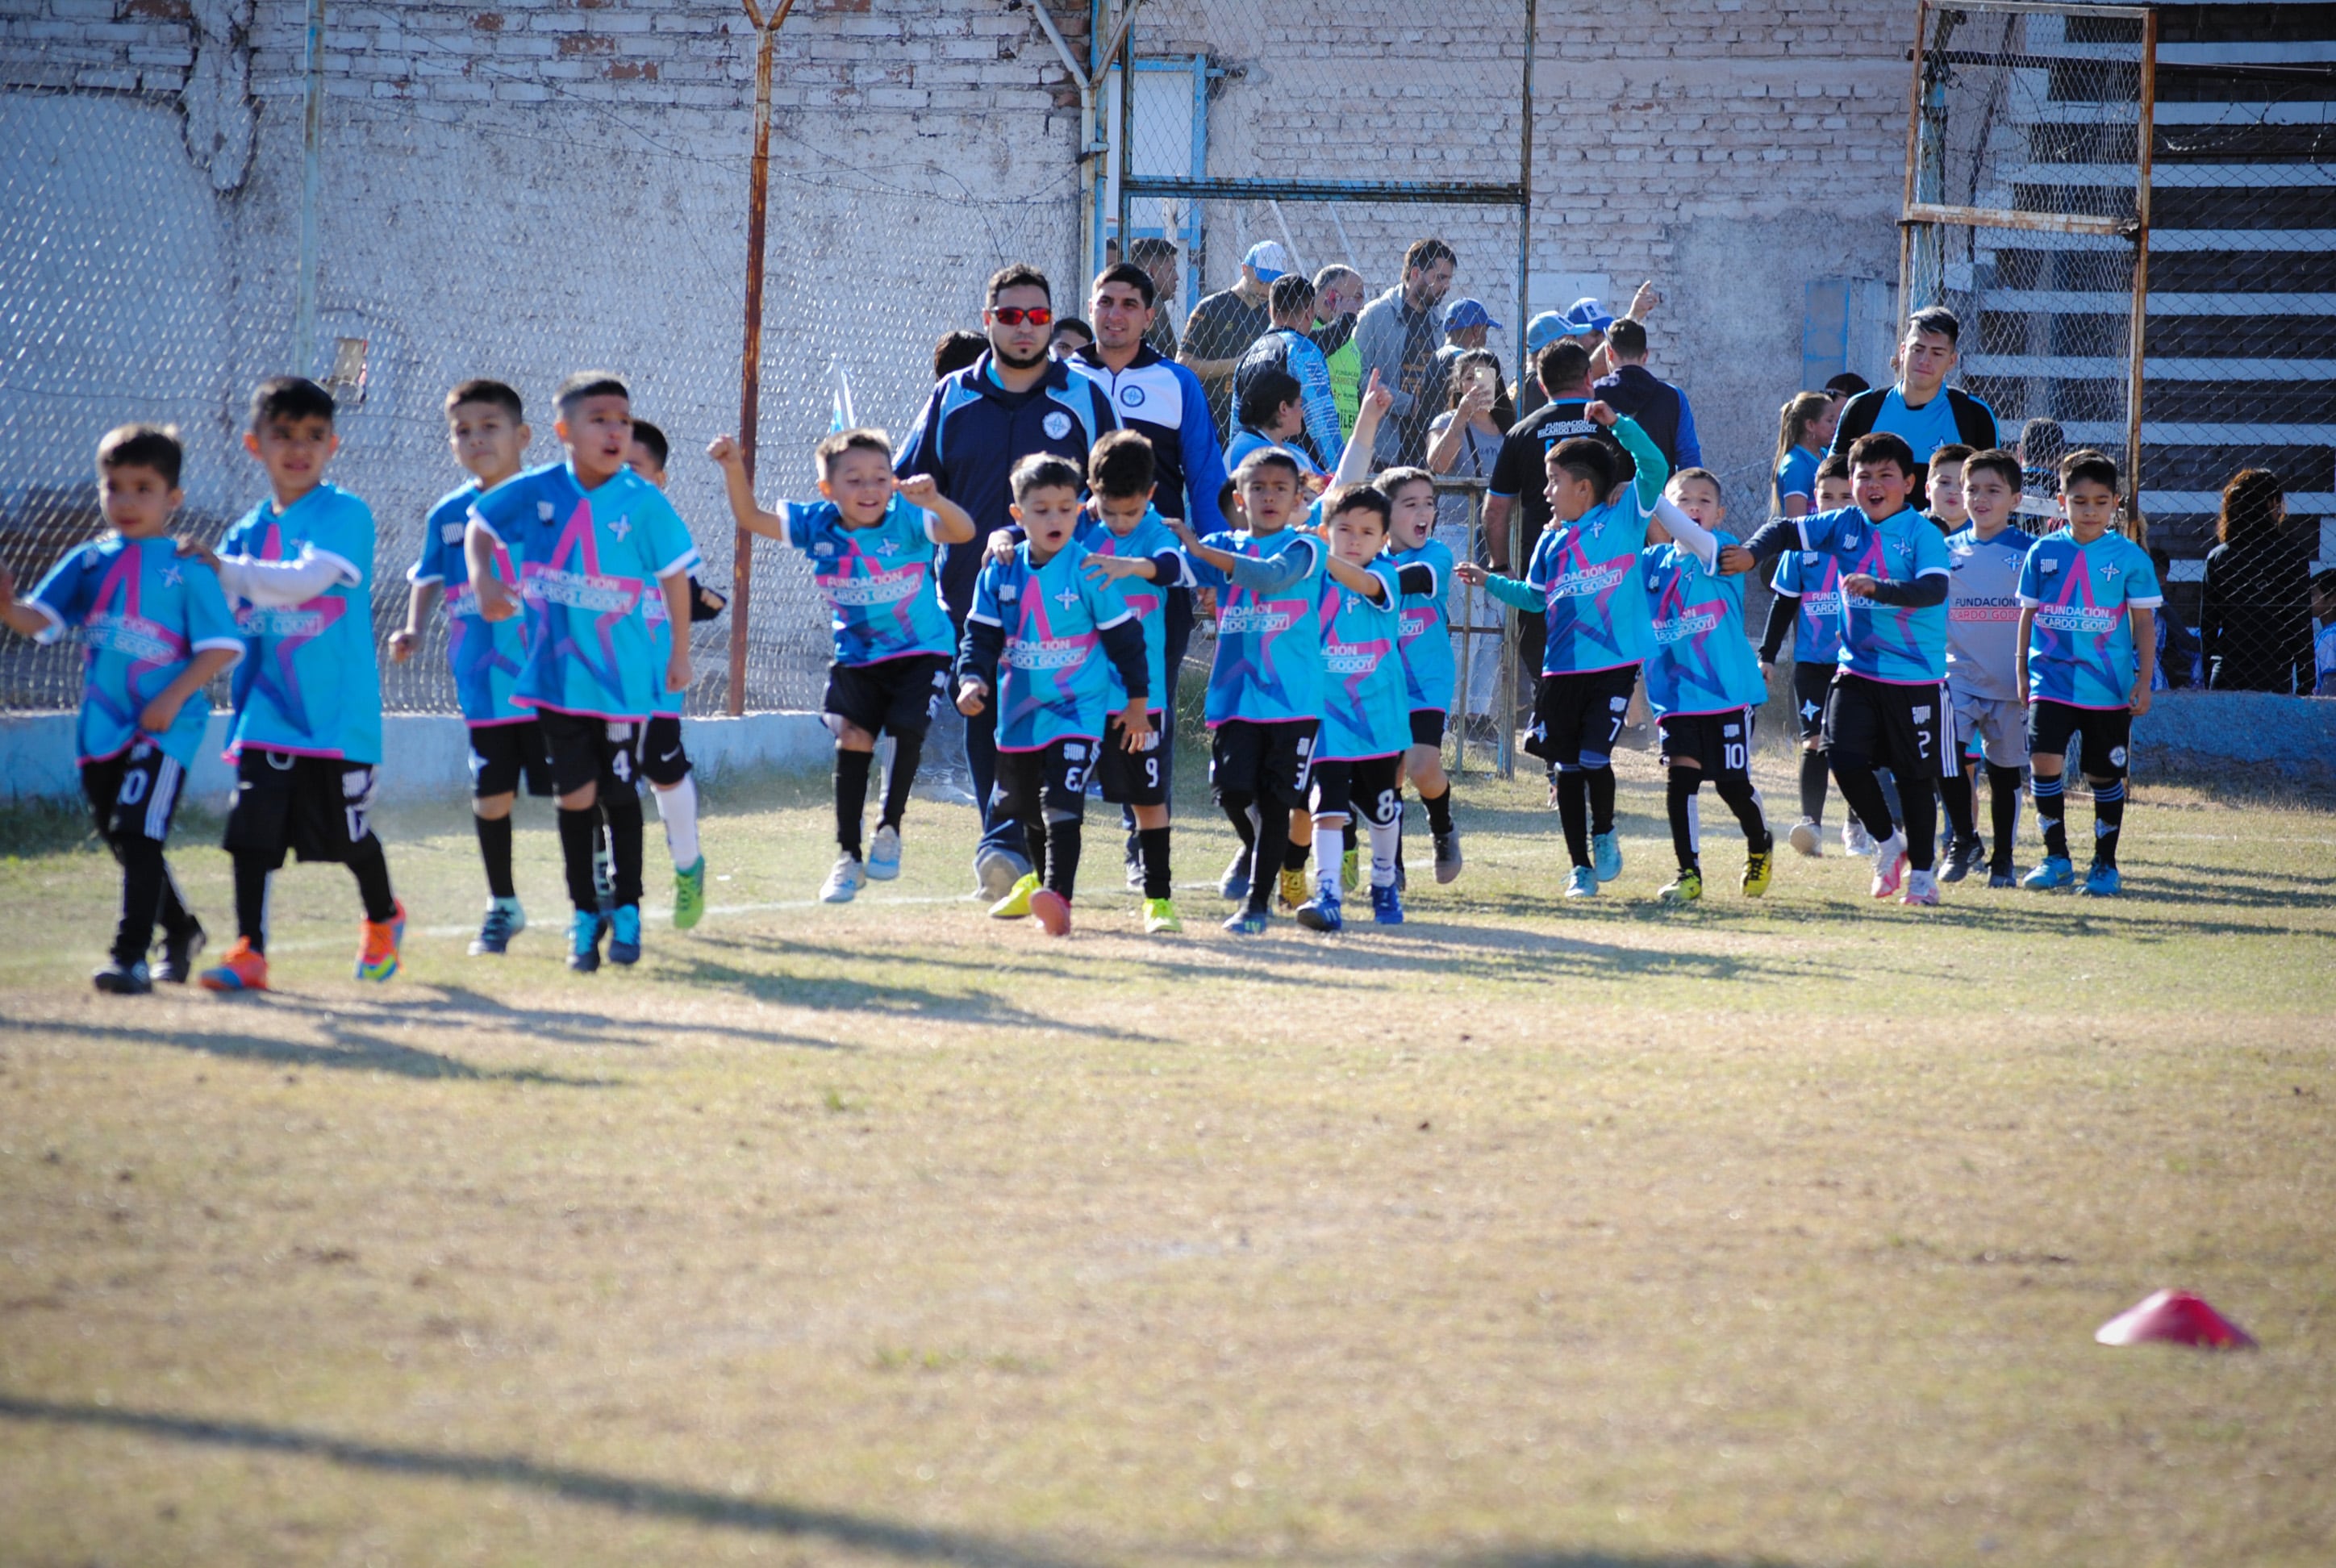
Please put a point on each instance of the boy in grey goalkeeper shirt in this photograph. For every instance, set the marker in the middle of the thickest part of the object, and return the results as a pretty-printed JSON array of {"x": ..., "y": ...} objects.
[{"x": 1984, "y": 558}]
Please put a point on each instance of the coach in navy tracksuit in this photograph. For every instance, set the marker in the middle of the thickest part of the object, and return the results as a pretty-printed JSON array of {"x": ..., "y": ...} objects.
[{"x": 977, "y": 425}]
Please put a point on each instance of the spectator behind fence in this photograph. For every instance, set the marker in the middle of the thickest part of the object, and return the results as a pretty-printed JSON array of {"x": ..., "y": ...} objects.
[
  {"x": 1539, "y": 332},
  {"x": 1285, "y": 346},
  {"x": 2323, "y": 640},
  {"x": 1397, "y": 335},
  {"x": 1464, "y": 440},
  {"x": 1223, "y": 326},
  {"x": 1071, "y": 335},
  {"x": 2178, "y": 665},
  {"x": 1804, "y": 429},
  {"x": 1661, "y": 408},
  {"x": 1272, "y": 413},
  {"x": 1338, "y": 299},
  {"x": 2254, "y": 618},
  {"x": 1157, "y": 256}
]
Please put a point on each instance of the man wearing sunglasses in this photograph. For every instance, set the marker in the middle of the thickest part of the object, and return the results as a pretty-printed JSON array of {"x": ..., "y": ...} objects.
[{"x": 977, "y": 425}]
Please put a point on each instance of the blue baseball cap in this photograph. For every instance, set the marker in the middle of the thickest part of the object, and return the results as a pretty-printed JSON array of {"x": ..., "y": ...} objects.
[
  {"x": 1267, "y": 259},
  {"x": 1543, "y": 330},
  {"x": 1462, "y": 313},
  {"x": 1585, "y": 315}
]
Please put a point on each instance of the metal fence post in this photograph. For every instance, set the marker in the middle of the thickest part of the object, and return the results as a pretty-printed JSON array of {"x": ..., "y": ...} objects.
[
  {"x": 750, "y": 355},
  {"x": 2139, "y": 331},
  {"x": 312, "y": 136}
]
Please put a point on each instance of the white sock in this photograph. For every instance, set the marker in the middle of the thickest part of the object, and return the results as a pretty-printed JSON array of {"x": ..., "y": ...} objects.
[
  {"x": 1387, "y": 837},
  {"x": 677, "y": 809}
]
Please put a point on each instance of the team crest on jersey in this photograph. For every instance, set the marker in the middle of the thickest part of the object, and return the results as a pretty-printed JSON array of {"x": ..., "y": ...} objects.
[
  {"x": 543, "y": 511},
  {"x": 2048, "y": 564},
  {"x": 823, "y": 549},
  {"x": 1067, "y": 598},
  {"x": 1131, "y": 395},
  {"x": 621, "y": 527},
  {"x": 1057, "y": 424},
  {"x": 1008, "y": 592},
  {"x": 172, "y": 577},
  {"x": 2110, "y": 572},
  {"x": 1849, "y": 539},
  {"x": 1810, "y": 557}
]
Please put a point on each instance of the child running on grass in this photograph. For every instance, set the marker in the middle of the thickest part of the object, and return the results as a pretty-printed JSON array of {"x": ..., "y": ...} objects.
[
  {"x": 2088, "y": 600},
  {"x": 154, "y": 629},
  {"x": 1428, "y": 675},
  {"x": 870, "y": 541},
  {"x": 1038, "y": 619}
]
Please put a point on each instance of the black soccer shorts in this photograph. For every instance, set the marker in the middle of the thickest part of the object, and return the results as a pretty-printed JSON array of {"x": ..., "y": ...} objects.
[
  {"x": 894, "y": 696},
  {"x": 587, "y": 750},
  {"x": 1046, "y": 784},
  {"x": 1353, "y": 786},
  {"x": 1720, "y": 743},
  {"x": 315, "y": 807},
  {"x": 1427, "y": 726},
  {"x": 134, "y": 793},
  {"x": 1267, "y": 763},
  {"x": 1138, "y": 778},
  {"x": 1579, "y": 713},
  {"x": 1811, "y": 685},
  {"x": 2103, "y": 736},
  {"x": 505, "y": 755},
  {"x": 1908, "y": 729}
]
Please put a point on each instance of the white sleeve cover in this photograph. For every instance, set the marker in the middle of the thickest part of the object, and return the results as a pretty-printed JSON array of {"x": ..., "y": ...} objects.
[
  {"x": 1689, "y": 534},
  {"x": 282, "y": 582}
]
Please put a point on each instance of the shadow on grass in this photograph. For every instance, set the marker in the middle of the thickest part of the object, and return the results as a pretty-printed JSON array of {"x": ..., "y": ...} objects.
[{"x": 623, "y": 1493}]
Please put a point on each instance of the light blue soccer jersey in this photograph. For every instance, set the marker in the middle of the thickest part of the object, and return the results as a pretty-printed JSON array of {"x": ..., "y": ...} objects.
[
  {"x": 589, "y": 562},
  {"x": 1054, "y": 678},
  {"x": 309, "y": 683},
  {"x": 1702, "y": 661},
  {"x": 1796, "y": 475},
  {"x": 1983, "y": 613},
  {"x": 140, "y": 612},
  {"x": 1428, "y": 676},
  {"x": 1584, "y": 577},
  {"x": 1898, "y": 644},
  {"x": 880, "y": 584},
  {"x": 1148, "y": 540},
  {"x": 1364, "y": 713},
  {"x": 1813, "y": 580},
  {"x": 1924, "y": 430},
  {"x": 1269, "y": 661},
  {"x": 2081, "y": 643},
  {"x": 485, "y": 655}
]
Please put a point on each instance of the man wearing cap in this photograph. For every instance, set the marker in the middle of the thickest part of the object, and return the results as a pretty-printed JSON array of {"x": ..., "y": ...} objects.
[
  {"x": 1660, "y": 407},
  {"x": 1397, "y": 335},
  {"x": 1539, "y": 332},
  {"x": 1224, "y": 325},
  {"x": 1287, "y": 348},
  {"x": 1466, "y": 324}
]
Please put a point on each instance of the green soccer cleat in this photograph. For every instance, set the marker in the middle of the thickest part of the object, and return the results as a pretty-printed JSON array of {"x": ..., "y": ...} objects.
[
  {"x": 1160, "y": 918},
  {"x": 1015, "y": 905},
  {"x": 1685, "y": 889},
  {"x": 1759, "y": 870},
  {"x": 689, "y": 895},
  {"x": 1350, "y": 871}
]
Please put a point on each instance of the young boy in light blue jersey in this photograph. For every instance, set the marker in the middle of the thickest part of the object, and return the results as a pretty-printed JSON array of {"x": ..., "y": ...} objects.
[
  {"x": 154, "y": 629},
  {"x": 1704, "y": 685},
  {"x": 593, "y": 542},
  {"x": 2088, "y": 603},
  {"x": 1039, "y": 618},
  {"x": 306, "y": 736},
  {"x": 1984, "y": 561},
  {"x": 871, "y": 539},
  {"x": 1806, "y": 607},
  {"x": 486, "y": 427},
  {"x": 1428, "y": 674}
]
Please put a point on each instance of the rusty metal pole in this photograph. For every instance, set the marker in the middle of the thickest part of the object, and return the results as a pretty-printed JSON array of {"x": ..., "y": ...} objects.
[
  {"x": 1913, "y": 154},
  {"x": 750, "y": 357},
  {"x": 2146, "y": 129}
]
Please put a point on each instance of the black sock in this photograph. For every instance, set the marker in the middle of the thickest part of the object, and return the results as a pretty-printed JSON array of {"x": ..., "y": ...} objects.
[
  {"x": 1862, "y": 792},
  {"x": 1601, "y": 780},
  {"x": 170, "y": 911},
  {"x": 620, "y": 807},
  {"x": 908, "y": 750},
  {"x": 1921, "y": 808},
  {"x": 1237, "y": 810},
  {"x": 1272, "y": 847},
  {"x": 1350, "y": 842},
  {"x": 1962, "y": 821},
  {"x": 495, "y": 848},
  {"x": 1151, "y": 844},
  {"x": 371, "y": 868},
  {"x": 2109, "y": 820},
  {"x": 2050, "y": 811},
  {"x": 1063, "y": 841},
  {"x": 579, "y": 835},
  {"x": 1293, "y": 855},
  {"x": 1033, "y": 842},
  {"x": 2004, "y": 812},
  {"x": 251, "y": 874},
  {"x": 1573, "y": 813},
  {"x": 1744, "y": 800},
  {"x": 142, "y": 877},
  {"x": 1679, "y": 800},
  {"x": 1440, "y": 812},
  {"x": 851, "y": 797},
  {"x": 1813, "y": 785}
]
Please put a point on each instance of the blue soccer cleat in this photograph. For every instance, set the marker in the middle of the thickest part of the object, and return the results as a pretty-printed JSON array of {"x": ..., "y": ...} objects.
[
  {"x": 885, "y": 855},
  {"x": 1246, "y": 922},
  {"x": 2102, "y": 882},
  {"x": 506, "y": 920},
  {"x": 1583, "y": 883},
  {"x": 1606, "y": 856},
  {"x": 2051, "y": 872},
  {"x": 625, "y": 935},
  {"x": 1321, "y": 913},
  {"x": 1386, "y": 905},
  {"x": 584, "y": 941}
]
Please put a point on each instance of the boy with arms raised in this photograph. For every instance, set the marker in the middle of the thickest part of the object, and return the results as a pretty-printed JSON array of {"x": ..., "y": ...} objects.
[
  {"x": 870, "y": 541},
  {"x": 1703, "y": 684},
  {"x": 2088, "y": 600},
  {"x": 593, "y": 542},
  {"x": 1428, "y": 675},
  {"x": 1983, "y": 565},
  {"x": 1888, "y": 705},
  {"x": 307, "y": 735},
  {"x": 1037, "y": 621},
  {"x": 485, "y": 426},
  {"x": 1807, "y": 608},
  {"x": 154, "y": 629}
]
